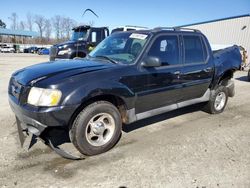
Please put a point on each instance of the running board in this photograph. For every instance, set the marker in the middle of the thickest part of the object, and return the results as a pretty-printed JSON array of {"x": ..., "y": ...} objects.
[{"x": 132, "y": 117}]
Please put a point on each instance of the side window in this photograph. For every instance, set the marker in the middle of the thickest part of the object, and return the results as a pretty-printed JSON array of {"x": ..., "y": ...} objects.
[
  {"x": 106, "y": 33},
  {"x": 96, "y": 36},
  {"x": 205, "y": 54},
  {"x": 93, "y": 37},
  {"x": 193, "y": 48},
  {"x": 166, "y": 49}
]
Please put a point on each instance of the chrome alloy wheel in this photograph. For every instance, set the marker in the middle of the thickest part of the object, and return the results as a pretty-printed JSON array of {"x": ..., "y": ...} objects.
[
  {"x": 100, "y": 129},
  {"x": 220, "y": 101}
]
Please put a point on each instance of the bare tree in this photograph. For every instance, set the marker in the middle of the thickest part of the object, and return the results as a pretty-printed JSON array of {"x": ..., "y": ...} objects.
[
  {"x": 48, "y": 29},
  {"x": 30, "y": 21},
  {"x": 14, "y": 20},
  {"x": 66, "y": 27},
  {"x": 2, "y": 24},
  {"x": 57, "y": 25},
  {"x": 40, "y": 21},
  {"x": 55, "y": 29},
  {"x": 22, "y": 25}
]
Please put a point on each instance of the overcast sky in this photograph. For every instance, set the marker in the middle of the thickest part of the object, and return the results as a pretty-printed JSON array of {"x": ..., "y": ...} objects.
[{"x": 112, "y": 13}]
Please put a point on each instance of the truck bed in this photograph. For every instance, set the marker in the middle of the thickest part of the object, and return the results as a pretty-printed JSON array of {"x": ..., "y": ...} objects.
[{"x": 228, "y": 58}]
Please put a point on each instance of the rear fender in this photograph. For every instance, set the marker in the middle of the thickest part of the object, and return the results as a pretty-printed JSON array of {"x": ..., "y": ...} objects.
[{"x": 226, "y": 61}]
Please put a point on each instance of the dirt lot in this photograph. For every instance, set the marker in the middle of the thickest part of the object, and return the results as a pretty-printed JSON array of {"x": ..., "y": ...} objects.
[{"x": 185, "y": 148}]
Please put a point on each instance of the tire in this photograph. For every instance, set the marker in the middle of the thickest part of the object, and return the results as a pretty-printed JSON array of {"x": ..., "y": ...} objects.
[
  {"x": 214, "y": 105},
  {"x": 96, "y": 129}
]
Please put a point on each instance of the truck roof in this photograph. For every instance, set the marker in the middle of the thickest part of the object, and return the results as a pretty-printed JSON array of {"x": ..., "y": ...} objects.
[
  {"x": 86, "y": 27},
  {"x": 167, "y": 29}
]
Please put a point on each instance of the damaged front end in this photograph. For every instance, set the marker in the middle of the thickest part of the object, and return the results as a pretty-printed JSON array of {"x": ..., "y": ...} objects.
[
  {"x": 35, "y": 123},
  {"x": 53, "y": 137}
]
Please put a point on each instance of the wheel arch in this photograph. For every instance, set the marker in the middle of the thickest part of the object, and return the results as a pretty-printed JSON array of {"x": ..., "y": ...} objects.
[
  {"x": 227, "y": 75},
  {"x": 221, "y": 77},
  {"x": 117, "y": 101}
]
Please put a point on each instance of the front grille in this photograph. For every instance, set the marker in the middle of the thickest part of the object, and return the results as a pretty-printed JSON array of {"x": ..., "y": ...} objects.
[
  {"x": 15, "y": 88},
  {"x": 19, "y": 91}
]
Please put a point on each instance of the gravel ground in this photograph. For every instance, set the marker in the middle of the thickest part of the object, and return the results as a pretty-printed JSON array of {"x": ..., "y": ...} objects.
[{"x": 184, "y": 148}]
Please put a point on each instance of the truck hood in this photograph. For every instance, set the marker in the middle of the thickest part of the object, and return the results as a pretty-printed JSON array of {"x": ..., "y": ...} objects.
[
  {"x": 68, "y": 43},
  {"x": 32, "y": 74}
]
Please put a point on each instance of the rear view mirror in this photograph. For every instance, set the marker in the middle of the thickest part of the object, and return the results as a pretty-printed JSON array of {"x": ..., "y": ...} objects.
[{"x": 151, "y": 61}]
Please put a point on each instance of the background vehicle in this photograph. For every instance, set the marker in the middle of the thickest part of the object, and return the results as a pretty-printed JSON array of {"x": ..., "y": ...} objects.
[
  {"x": 128, "y": 28},
  {"x": 129, "y": 76},
  {"x": 43, "y": 51},
  {"x": 25, "y": 50},
  {"x": 7, "y": 49},
  {"x": 2, "y": 45},
  {"x": 38, "y": 49},
  {"x": 32, "y": 49},
  {"x": 83, "y": 40}
]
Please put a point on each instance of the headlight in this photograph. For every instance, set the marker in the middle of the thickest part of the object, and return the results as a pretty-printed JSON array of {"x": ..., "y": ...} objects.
[
  {"x": 44, "y": 97},
  {"x": 62, "y": 52}
]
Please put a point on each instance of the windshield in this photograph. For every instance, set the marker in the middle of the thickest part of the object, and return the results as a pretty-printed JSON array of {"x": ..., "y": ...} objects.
[
  {"x": 121, "y": 47},
  {"x": 79, "y": 35}
]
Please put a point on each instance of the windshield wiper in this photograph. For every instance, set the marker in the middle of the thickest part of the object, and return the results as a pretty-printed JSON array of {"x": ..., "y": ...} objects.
[{"x": 107, "y": 58}]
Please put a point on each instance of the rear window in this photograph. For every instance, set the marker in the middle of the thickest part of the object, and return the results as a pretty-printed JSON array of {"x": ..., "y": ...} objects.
[{"x": 194, "y": 49}]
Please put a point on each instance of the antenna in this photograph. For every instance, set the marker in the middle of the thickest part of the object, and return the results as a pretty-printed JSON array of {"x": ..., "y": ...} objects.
[{"x": 90, "y": 10}]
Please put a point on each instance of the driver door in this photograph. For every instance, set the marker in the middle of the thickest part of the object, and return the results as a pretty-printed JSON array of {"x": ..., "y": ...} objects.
[{"x": 162, "y": 85}]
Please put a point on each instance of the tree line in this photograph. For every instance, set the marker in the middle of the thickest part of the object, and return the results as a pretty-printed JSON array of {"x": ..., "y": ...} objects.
[{"x": 51, "y": 30}]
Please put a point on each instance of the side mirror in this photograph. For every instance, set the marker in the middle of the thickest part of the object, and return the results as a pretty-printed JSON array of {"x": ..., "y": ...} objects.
[{"x": 151, "y": 61}]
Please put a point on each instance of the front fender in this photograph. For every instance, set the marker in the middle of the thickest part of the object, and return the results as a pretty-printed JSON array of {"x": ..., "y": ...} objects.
[{"x": 88, "y": 91}]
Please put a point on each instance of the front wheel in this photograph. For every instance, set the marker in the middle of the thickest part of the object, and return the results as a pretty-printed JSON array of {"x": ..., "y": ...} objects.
[
  {"x": 97, "y": 128},
  {"x": 218, "y": 100}
]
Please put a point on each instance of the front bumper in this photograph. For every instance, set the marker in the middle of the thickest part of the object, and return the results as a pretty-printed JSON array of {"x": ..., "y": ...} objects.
[
  {"x": 54, "y": 54},
  {"x": 60, "y": 57},
  {"x": 31, "y": 123},
  {"x": 36, "y": 119}
]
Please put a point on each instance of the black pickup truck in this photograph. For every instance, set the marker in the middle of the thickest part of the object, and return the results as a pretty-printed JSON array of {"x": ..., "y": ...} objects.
[
  {"x": 84, "y": 38},
  {"x": 128, "y": 77}
]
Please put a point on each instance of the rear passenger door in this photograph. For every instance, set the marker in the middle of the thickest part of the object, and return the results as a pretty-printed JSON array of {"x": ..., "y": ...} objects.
[{"x": 197, "y": 70}]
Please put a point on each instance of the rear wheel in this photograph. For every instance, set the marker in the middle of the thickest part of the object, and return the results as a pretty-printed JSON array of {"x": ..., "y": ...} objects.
[
  {"x": 97, "y": 128},
  {"x": 218, "y": 100}
]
